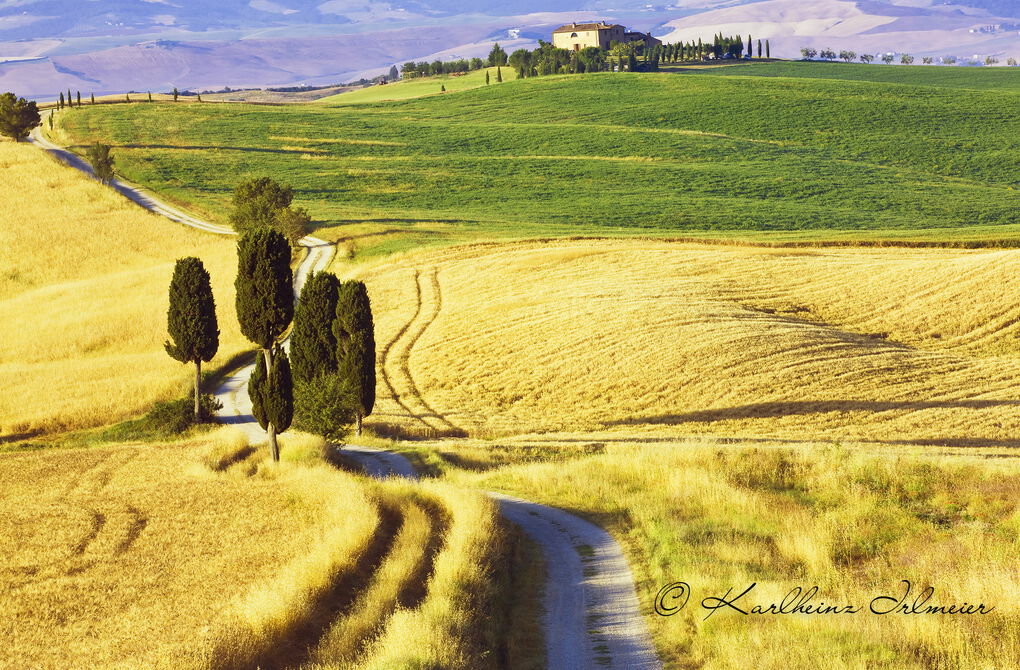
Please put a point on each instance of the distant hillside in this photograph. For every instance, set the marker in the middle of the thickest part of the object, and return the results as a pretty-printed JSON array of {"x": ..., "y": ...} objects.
[{"x": 112, "y": 46}]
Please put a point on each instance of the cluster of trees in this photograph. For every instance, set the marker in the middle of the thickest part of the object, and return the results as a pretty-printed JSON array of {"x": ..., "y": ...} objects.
[
  {"x": 620, "y": 56},
  {"x": 331, "y": 382},
  {"x": 846, "y": 55},
  {"x": 17, "y": 116},
  {"x": 264, "y": 203},
  {"x": 70, "y": 102},
  {"x": 423, "y": 69}
]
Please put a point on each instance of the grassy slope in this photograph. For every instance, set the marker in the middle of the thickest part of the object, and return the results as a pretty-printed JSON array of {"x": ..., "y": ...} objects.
[
  {"x": 83, "y": 294},
  {"x": 656, "y": 153},
  {"x": 419, "y": 87},
  {"x": 978, "y": 78},
  {"x": 243, "y": 562},
  {"x": 851, "y": 522},
  {"x": 653, "y": 340}
]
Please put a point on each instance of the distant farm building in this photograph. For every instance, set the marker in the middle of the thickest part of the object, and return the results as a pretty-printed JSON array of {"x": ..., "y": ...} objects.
[{"x": 577, "y": 36}]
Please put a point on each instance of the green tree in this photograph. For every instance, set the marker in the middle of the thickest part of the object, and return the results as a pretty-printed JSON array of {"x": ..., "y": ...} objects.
[
  {"x": 768, "y": 53},
  {"x": 78, "y": 97},
  {"x": 354, "y": 331},
  {"x": 486, "y": 78},
  {"x": 265, "y": 300},
  {"x": 50, "y": 117},
  {"x": 499, "y": 75},
  {"x": 258, "y": 202},
  {"x": 60, "y": 103},
  {"x": 17, "y": 116},
  {"x": 325, "y": 405},
  {"x": 93, "y": 98},
  {"x": 191, "y": 320},
  {"x": 497, "y": 56},
  {"x": 442, "y": 88},
  {"x": 294, "y": 223},
  {"x": 907, "y": 59},
  {"x": 175, "y": 94},
  {"x": 759, "y": 48},
  {"x": 313, "y": 348},
  {"x": 394, "y": 73},
  {"x": 98, "y": 156},
  {"x": 520, "y": 60},
  {"x": 272, "y": 396},
  {"x": 200, "y": 97},
  {"x": 632, "y": 62},
  {"x": 150, "y": 96}
]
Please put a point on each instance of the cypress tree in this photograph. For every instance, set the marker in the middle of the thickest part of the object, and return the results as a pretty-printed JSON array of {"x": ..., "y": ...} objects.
[
  {"x": 93, "y": 98},
  {"x": 191, "y": 320},
  {"x": 150, "y": 96},
  {"x": 486, "y": 77},
  {"x": 499, "y": 75},
  {"x": 265, "y": 298},
  {"x": 750, "y": 49},
  {"x": 175, "y": 94},
  {"x": 312, "y": 342},
  {"x": 69, "y": 103},
  {"x": 60, "y": 104},
  {"x": 442, "y": 88},
  {"x": 767, "y": 54},
  {"x": 78, "y": 96},
  {"x": 354, "y": 331},
  {"x": 51, "y": 120},
  {"x": 759, "y": 48},
  {"x": 631, "y": 62},
  {"x": 272, "y": 396}
]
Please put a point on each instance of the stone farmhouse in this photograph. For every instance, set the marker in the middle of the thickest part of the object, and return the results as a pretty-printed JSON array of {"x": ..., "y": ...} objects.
[{"x": 577, "y": 36}]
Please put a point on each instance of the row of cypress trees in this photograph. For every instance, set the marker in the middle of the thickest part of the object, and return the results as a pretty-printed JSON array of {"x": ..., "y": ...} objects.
[{"x": 333, "y": 342}]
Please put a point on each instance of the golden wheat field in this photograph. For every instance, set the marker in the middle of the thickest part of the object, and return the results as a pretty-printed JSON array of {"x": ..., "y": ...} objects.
[
  {"x": 83, "y": 298},
  {"x": 656, "y": 339},
  {"x": 202, "y": 554},
  {"x": 849, "y": 520}
]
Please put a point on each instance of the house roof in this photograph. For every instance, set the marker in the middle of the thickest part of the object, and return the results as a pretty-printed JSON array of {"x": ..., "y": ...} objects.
[{"x": 574, "y": 27}]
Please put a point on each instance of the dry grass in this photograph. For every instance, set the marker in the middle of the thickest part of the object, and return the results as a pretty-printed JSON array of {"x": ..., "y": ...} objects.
[
  {"x": 853, "y": 522},
  {"x": 134, "y": 556},
  {"x": 83, "y": 298},
  {"x": 653, "y": 339},
  {"x": 204, "y": 554}
]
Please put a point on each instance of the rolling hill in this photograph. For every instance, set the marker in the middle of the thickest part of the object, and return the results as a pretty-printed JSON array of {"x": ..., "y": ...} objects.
[
  {"x": 114, "y": 46},
  {"x": 723, "y": 156}
]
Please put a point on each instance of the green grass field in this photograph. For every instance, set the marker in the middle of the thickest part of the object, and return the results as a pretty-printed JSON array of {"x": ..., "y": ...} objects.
[
  {"x": 420, "y": 87},
  {"x": 980, "y": 78},
  {"x": 610, "y": 154}
]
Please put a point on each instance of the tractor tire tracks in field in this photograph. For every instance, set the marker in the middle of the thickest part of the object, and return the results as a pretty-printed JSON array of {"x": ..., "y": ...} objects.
[
  {"x": 592, "y": 617},
  {"x": 395, "y": 359}
]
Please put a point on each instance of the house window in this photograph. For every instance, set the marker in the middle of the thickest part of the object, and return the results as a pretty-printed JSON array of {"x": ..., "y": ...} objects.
[{"x": 573, "y": 34}]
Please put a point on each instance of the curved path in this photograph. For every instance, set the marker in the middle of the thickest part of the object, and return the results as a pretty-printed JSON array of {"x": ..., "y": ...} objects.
[
  {"x": 592, "y": 616},
  {"x": 233, "y": 392}
]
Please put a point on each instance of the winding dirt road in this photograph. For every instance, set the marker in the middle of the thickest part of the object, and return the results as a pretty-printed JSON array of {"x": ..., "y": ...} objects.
[
  {"x": 233, "y": 392},
  {"x": 592, "y": 616}
]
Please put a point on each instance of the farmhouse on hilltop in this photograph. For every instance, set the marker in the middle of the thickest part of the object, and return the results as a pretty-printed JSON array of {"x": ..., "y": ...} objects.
[{"x": 577, "y": 36}]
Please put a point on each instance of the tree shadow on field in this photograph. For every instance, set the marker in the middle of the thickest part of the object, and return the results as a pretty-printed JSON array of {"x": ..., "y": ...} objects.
[
  {"x": 781, "y": 409},
  {"x": 189, "y": 147}
]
